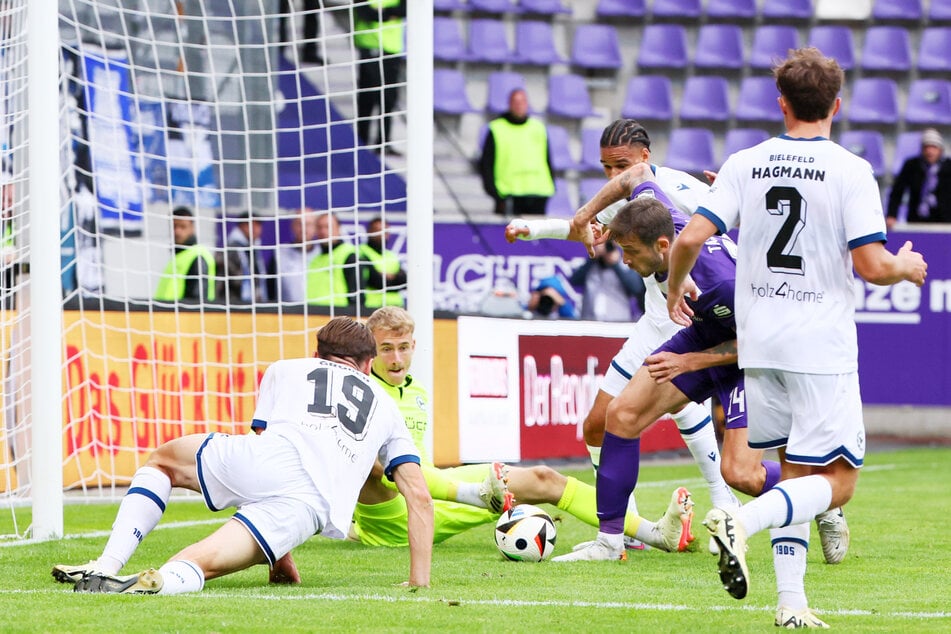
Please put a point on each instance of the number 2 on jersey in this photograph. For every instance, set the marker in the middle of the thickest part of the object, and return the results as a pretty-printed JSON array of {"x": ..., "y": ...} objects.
[
  {"x": 352, "y": 414},
  {"x": 786, "y": 201}
]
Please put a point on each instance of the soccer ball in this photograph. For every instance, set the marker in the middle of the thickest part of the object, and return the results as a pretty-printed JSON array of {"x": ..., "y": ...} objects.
[{"x": 525, "y": 533}]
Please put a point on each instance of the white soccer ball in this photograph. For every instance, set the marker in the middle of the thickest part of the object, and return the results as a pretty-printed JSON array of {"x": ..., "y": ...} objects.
[{"x": 525, "y": 533}]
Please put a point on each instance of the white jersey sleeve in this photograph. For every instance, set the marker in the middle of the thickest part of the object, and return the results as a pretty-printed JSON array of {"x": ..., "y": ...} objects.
[{"x": 681, "y": 188}]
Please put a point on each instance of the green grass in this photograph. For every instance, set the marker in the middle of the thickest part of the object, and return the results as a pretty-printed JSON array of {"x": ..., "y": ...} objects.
[{"x": 895, "y": 577}]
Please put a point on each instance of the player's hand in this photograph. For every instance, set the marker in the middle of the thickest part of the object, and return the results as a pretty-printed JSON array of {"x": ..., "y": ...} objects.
[
  {"x": 710, "y": 176},
  {"x": 601, "y": 233},
  {"x": 677, "y": 306},
  {"x": 516, "y": 229},
  {"x": 583, "y": 232},
  {"x": 664, "y": 366},
  {"x": 914, "y": 264},
  {"x": 890, "y": 222},
  {"x": 284, "y": 571}
]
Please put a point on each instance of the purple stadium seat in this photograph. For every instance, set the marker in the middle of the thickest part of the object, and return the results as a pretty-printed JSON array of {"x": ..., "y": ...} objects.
[
  {"x": 776, "y": 10},
  {"x": 896, "y": 11},
  {"x": 492, "y": 6},
  {"x": 907, "y": 145},
  {"x": 719, "y": 46},
  {"x": 596, "y": 46},
  {"x": 649, "y": 97},
  {"x": 771, "y": 43},
  {"x": 874, "y": 100},
  {"x": 535, "y": 44},
  {"x": 663, "y": 46},
  {"x": 738, "y": 139},
  {"x": 559, "y": 148},
  {"x": 834, "y": 40},
  {"x": 560, "y": 205},
  {"x": 886, "y": 48},
  {"x": 934, "y": 50},
  {"x": 449, "y": 5},
  {"x": 568, "y": 96},
  {"x": 448, "y": 45},
  {"x": 733, "y": 10},
  {"x": 588, "y": 187},
  {"x": 939, "y": 11},
  {"x": 488, "y": 41},
  {"x": 449, "y": 92},
  {"x": 543, "y": 7},
  {"x": 869, "y": 145},
  {"x": 690, "y": 150},
  {"x": 705, "y": 98},
  {"x": 676, "y": 9},
  {"x": 622, "y": 8},
  {"x": 757, "y": 100},
  {"x": 591, "y": 150},
  {"x": 929, "y": 102},
  {"x": 501, "y": 84}
]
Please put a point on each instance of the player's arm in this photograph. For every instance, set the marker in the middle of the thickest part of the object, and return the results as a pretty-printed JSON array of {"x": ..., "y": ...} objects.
[
  {"x": 879, "y": 266},
  {"x": 683, "y": 255},
  {"x": 419, "y": 505},
  {"x": 665, "y": 366}
]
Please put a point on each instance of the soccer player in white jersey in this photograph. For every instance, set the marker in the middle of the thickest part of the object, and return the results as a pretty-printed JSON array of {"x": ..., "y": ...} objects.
[
  {"x": 328, "y": 422},
  {"x": 809, "y": 211}
]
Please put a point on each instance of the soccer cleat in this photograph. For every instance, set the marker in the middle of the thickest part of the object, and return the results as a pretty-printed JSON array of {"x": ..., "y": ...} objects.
[
  {"x": 596, "y": 550},
  {"x": 793, "y": 619},
  {"x": 493, "y": 490},
  {"x": 731, "y": 538},
  {"x": 71, "y": 574},
  {"x": 833, "y": 534},
  {"x": 630, "y": 543},
  {"x": 147, "y": 582},
  {"x": 674, "y": 526}
]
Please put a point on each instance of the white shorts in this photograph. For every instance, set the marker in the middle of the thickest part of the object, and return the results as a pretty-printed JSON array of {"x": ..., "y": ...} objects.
[
  {"x": 647, "y": 337},
  {"x": 817, "y": 417},
  {"x": 263, "y": 477}
]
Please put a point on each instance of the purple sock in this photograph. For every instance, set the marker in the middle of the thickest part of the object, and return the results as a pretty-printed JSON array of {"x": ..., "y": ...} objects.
[
  {"x": 772, "y": 475},
  {"x": 617, "y": 476}
]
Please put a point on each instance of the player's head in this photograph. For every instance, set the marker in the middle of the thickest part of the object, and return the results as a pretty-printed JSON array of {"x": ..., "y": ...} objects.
[
  {"x": 183, "y": 224},
  {"x": 644, "y": 230},
  {"x": 392, "y": 328},
  {"x": 809, "y": 84},
  {"x": 343, "y": 339},
  {"x": 624, "y": 143}
]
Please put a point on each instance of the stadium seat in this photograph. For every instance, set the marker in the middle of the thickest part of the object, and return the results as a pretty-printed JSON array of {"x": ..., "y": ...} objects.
[
  {"x": 690, "y": 150},
  {"x": 449, "y": 92},
  {"x": 492, "y": 6},
  {"x": 771, "y": 43},
  {"x": 595, "y": 46},
  {"x": 676, "y": 10},
  {"x": 757, "y": 100},
  {"x": 887, "y": 49},
  {"x": 591, "y": 150},
  {"x": 663, "y": 46},
  {"x": 874, "y": 101},
  {"x": 834, "y": 40},
  {"x": 448, "y": 44},
  {"x": 560, "y": 205},
  {"x": 488, "y": 41},
  {"x": 782, "y": 10},
  {"x": 939, "y": 11},
  {"x": 907, "y": 145},
  {"x": 705, "y": 98},
  {"x": 588, "y": 187},
  {"x": 719, "y": 46},
  {"x": 568, "y": 96},
  {"x": 535, "y": 44},
  {"x": 501, "y": 84},
  {"x": 868, "y": 144},
  {"x": 449, "y": 5},
  {"x": 621, "y": 8},
  {"x": 559, "y": 148},
  {"x": 738, "y": 139},
  {"x": 929, "y": 102},
  {"x": 733, "y": 10},
  {"x": 934, "y": 50},
  {"x": 649, "y": 97},
  {"x": 896, "y": 11},
  {"x": 543, "y": 7}
]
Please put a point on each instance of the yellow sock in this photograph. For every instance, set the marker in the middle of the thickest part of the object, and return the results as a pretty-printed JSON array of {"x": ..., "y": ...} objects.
[{"x": 581, "y": 500}]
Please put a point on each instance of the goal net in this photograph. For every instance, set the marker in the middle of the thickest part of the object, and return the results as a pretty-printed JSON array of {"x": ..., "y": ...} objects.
[{"x": 220, "y": 177}]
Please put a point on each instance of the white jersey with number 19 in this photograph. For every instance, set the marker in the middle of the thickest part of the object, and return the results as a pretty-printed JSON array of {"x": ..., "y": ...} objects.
[{"x": 801, "y": 205}]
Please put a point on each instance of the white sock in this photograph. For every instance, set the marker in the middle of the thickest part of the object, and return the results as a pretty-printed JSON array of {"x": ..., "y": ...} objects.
[
  {"x": 468, "y": 493},
  {"x": 696, "y": 428},
  {"x": 790, "y": 547},
  {"x": 616, "y": 542},
  {"x": 139, "y": 512},
  {"x": 179, "y": 577},
  {"x": 790, "y": 502}
]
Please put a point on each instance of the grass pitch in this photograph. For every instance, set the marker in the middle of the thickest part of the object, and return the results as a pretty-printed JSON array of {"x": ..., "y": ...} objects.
[{"x": 895, "y": 578}]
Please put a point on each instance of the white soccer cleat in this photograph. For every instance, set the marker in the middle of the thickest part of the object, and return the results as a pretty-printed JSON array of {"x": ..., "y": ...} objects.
[
  {"x": 674, "y": 526},
  {"x": 146, "y": 582},
  {"x": 795, "y": 619},
  {"x": 833, "y": 534},
  {"x": 630, "y": 543},
  {"x": 494, "y": 492},
  {"x": 71, "y": 574},
  {"x": 597, "y": 550},
  {"x": 731, "y": 538}
]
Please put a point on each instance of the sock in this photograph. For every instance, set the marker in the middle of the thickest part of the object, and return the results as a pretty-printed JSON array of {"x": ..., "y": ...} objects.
[
  {"x": 466, "y": 493},
  {"x": 617, "y": 476},
  {"x": 580, "y": 499},
  {"x": 696, "y": 428},
  {"x": 179, "y": 577},
  {"x": 772, "y": 475},
  {"x": 595, "y": 453},
  {"x": 790, "y": 547},
  {"x": 139, "y": 512},
  {"x": 790, "y": 502}
]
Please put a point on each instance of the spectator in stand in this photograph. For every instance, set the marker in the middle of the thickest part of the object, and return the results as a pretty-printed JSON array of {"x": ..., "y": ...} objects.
[
  {"x": 612, "y": 291},
  {"x": 241, "y": 267},
  {"x": 190, "y": 274},
  {"x": 287, "y": 272},
  {"x": 380, "y": 269},
  {"x": 332, "y": 276},
  {"x": 927, "y": 180},
  {"x": 550, "y": 300},
  {"x": 378, "y": 32},
  {"x": 515, "y": 163},
  {"x": 308, "y": 52}
]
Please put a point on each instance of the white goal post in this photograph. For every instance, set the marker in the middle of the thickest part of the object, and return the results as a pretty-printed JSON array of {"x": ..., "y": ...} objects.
[{"x": 113, "y": 336}]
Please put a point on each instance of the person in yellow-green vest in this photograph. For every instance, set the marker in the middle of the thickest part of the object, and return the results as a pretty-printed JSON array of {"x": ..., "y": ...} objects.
[
  {"x": 382, "y": 276},
  {"x": 190, "y": 274},
  {"x": 379, "y": 35},
  {"x": 332, "y": 276},
  {"x": 515, "y": 163}
]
